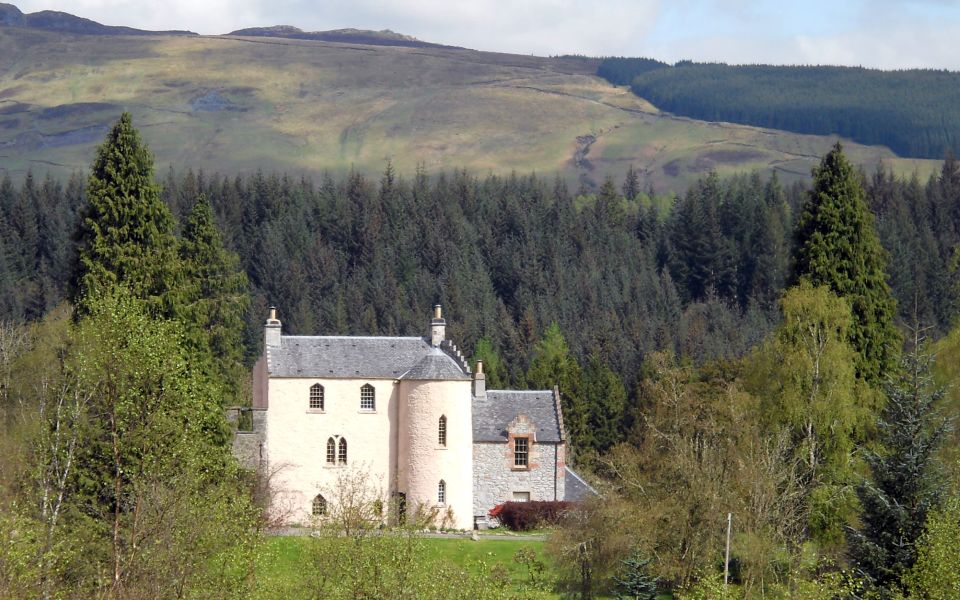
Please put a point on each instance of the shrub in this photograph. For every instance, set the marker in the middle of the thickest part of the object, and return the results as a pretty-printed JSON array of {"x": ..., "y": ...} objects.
[{"x": 523, "y": 516}]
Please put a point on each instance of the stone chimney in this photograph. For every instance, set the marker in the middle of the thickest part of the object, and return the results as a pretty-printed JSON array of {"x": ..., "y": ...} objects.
[
  {"x": 479, "y": 382},
  {"x": 438, "y": 327},
  {"x": 271, "y": 330}
]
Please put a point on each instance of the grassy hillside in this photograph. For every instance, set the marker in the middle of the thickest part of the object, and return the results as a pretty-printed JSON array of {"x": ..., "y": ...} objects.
[{"x": 239, "y": 104}]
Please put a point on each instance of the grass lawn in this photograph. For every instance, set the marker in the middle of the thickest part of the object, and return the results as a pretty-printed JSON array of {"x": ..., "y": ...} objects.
[{"x": 281, "y": 559}]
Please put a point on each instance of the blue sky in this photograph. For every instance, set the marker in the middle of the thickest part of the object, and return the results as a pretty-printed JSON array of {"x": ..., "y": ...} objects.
[{"x": 874, "y": 33}]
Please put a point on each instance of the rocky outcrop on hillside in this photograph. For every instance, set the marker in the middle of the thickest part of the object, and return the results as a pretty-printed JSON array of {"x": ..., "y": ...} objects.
[
  {"x": 347, "y": 36},
  {"x": 51, "y": 20}
]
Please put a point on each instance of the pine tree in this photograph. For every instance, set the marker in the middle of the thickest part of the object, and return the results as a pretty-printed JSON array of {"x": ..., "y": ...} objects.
[
  {"x": 634, "y": 582},
  {"x": 631, "y": 184},
  {"x": 906, "y": 480},
  {"x": 215, "y": 294},
  {"x": 605, "y": 398},
  {"x": 125, "y": 236},
  {"x": 837, "y": 246}
]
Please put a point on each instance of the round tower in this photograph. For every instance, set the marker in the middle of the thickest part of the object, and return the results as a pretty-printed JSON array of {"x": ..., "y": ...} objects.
[{"x": 435, "y": 441}]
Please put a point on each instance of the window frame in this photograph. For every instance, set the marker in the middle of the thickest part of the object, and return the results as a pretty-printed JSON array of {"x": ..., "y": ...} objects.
[
  {"x": 342, "y": 451},
  {"x": 319, "y": 506},
  {"x": 442, "y": 492},
  {"x": 521, "y": 457},
  {"x": 368, "y": 394},
  {"x": 317, "y": 401},
  {"x": 331, "y": 451},
  {"x": 442, "y": 431}
]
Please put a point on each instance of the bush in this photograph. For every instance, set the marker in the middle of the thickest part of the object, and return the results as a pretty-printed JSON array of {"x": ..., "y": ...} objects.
[{"x": 523, "y": 516}]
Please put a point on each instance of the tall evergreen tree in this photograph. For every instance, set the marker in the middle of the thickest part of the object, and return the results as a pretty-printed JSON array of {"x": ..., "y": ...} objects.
[
  {"x": 837, "y": 246},
  {"x": 125, "y": 236},
  {"x": 553, "y": 365},
  {"x": 215, "y": 294},
  {"x": 906, "y": 481}
]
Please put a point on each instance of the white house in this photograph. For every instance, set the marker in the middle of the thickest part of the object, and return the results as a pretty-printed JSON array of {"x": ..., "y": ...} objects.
[{"x": 410, "y": 414}]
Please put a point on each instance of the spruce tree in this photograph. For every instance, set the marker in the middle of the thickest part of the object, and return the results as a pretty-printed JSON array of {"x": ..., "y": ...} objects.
[
  {"x": 125, "y": 237},
  {"x": 553, "y": 365},
  {"x": 837, "y": 246},
  {"x": 215, "y": 294},
  {"x": 634, "y": 581},
  {"x": 906, "y": 480}
]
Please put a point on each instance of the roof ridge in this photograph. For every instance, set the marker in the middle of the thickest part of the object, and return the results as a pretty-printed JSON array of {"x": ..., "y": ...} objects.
[{"x": 357, "y": 337}]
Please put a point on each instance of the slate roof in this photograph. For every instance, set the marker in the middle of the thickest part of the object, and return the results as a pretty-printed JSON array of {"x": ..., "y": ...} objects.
[
  {"x": 575, "y": 488},
  {"x": 435, "y": 366},
  {"x": 492, "y": 414},
  {"x": 357, "y": 356}
]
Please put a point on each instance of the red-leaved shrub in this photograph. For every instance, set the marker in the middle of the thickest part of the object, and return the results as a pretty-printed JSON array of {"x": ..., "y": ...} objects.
[{"x": 523, "y": 516}]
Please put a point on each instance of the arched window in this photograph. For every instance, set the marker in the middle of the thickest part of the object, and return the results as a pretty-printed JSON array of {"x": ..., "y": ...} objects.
[
  {"x": 331, "y": 451},
  {"x": 368, "y": 400},
  {"x": 342, "y": 451},
  {"x": 442, "y": 430},
  {"x": 319, "y": 506},
  {"x": 442, "y": 492},
  {"x": 316, "y": 397}
]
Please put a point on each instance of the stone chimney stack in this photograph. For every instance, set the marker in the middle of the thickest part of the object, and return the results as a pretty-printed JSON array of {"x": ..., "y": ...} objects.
[
  {"x": 271, "y": 330},
  {"x": 438, "y": 327},
  {"x": 479, "y": 382}
]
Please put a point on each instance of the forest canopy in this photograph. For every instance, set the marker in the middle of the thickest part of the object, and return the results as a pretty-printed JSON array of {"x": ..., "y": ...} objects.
[{"x": 916, "y": 112}]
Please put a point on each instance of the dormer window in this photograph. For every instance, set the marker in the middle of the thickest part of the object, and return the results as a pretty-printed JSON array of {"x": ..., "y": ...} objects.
[
  {"x": 521, "y": 452},
  {"x": 368, "y": 400},
  {"x": 316, "y": 397}
]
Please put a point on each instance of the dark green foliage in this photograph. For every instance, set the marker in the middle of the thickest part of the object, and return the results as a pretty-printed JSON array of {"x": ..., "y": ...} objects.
[
  {"x": 906, "y": 480},
  {"x": 622, "y": 71},
  {"x": 214, "y": 297},
  {"x": 605, "y": 399},
  {"x": 914, "y": 112},
  {"x": 634, "y": 582},
  {"x": 837, "y": 246},
  {"x": 126, "y": 232}
]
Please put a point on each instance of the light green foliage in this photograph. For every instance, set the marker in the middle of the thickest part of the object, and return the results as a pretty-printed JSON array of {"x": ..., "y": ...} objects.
[
  {"x": 805, "y": 375},
  {"x": 553, "y": 365},
  {"x": 215, "y": 296},
  {"x": 596, "y": 535},
  {"x": 698, "y": 452},
  {"x": 936, "y": 574},
  {"x": 131, "y": 492},
  {"x": 126, "y": 232},
  {"x": 838, "y": 247},
  {"x": 493, "y": 365},
  {"x": 710, "y": 586}
]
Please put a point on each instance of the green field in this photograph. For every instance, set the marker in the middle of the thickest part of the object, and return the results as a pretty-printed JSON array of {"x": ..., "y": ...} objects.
[
  {"x": 283, "y": 558},
  {"x": 232, "y": 105}
]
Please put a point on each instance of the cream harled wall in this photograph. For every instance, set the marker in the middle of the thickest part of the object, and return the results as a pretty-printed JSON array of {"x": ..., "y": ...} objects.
[
  {"x": 423, "y": 462},
  {"x": 296, "y": 440}
]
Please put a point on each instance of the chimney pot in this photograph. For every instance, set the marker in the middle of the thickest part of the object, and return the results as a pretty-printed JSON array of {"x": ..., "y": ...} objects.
[
  {"x": 272, "y": 329},
  {"x": 438, "y": 327}
]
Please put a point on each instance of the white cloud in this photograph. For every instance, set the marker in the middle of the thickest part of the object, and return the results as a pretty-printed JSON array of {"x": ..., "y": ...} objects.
[{"x": 878, "y": 33}]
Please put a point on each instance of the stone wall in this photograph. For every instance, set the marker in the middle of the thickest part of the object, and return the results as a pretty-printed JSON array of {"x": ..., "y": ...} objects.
[{"x": 496, "y": 479}]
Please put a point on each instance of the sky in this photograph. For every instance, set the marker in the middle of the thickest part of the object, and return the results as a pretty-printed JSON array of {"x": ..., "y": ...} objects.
[{"x": 887, "y": 34}]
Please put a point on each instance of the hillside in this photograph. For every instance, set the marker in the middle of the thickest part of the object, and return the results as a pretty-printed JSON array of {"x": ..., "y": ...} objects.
[
  {"x": 239, "y": 104},
  {"x": 915, "y": 112}
]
